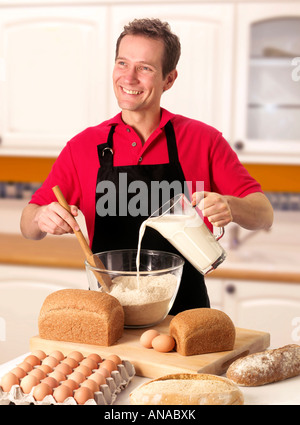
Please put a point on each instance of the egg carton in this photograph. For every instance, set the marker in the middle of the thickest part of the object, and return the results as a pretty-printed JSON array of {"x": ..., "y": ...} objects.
[{"x": 118, "y": 381}]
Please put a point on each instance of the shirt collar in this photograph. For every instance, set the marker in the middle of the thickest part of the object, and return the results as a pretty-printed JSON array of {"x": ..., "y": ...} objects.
[{"x": 166, "y": 116}]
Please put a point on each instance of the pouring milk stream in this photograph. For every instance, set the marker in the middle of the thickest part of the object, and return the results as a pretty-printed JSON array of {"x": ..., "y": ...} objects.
[{"x": 179, "y": 222}]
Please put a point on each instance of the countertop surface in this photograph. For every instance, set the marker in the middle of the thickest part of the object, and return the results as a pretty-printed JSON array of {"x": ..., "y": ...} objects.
[{"x": 279, "y": 393}]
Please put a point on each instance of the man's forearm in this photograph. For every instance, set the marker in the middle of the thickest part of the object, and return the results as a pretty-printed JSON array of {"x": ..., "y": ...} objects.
[
  {"x": 252, "y": 212},
  {"x": 28, "y": 224}
]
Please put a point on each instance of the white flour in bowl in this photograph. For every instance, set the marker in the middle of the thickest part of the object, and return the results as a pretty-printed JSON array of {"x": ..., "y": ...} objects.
[{"x": 147, "y": 303}]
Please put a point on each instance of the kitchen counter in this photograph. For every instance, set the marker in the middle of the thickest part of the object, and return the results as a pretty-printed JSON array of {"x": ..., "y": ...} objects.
[{"x": 284, "y": 392}]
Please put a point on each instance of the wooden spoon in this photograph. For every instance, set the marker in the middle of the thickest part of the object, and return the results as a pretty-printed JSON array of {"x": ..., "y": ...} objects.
[{"x": 103, "y": 279}]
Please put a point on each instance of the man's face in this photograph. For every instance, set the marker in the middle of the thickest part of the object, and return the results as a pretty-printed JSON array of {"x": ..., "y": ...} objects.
[{"x": 137, "y": 77}]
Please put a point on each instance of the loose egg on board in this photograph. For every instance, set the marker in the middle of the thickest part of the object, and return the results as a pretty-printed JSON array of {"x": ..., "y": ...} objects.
[
  {"x": 28, "y": 382},
  {"x": 41, "y": 391},
  {"x": 147, "y": 338},
  {"x": 83, "y": 394},
  {"x": 8, "y": 380},
  {"x": 163, "y": 343},
  {"x": 62, "y": 392}
]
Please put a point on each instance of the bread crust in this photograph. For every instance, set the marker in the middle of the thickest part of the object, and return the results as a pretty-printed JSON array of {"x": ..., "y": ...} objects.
[
  {"x": 266, "y": 367},
  {"x": 202, "y": 330},
  {"x": 78, "y": 315},
  {"x": 225, "y": 392}
]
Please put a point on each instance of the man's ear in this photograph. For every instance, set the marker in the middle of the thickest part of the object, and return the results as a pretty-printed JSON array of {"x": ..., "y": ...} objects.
[{"x": 170, "y": 79}]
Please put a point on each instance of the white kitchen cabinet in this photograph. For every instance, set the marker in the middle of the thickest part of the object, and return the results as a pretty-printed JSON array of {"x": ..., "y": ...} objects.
[
  {"x": 22, "y": 293},
  {"x": 54, "y": 75},
  {"x": 267, "y": 86},
  {"x": 203, "y": 88},
  {"x": 260, "y": 305}
]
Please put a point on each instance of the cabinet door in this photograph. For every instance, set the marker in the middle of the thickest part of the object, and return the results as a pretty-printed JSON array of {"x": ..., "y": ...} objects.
[
  {"x": 267, "y": 92},
  {"x": 265, "y": 306},
  {"x": 54, "y": 83},
  {"x": 22, "y": 293},
  {"x": 203, "y": 88}
]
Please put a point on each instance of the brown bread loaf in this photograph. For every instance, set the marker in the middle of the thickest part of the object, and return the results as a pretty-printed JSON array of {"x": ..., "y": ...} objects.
[
  {"x": 189, "y": 389},
  {"x": 202, "y": 330},
  {"x": 78, "y": 315},
  {"x": 266, "y": 367}
]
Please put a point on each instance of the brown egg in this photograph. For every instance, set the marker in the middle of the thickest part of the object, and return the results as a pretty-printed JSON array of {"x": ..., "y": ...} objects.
[
  {"x": 114, "y": 358},
  {"x": 58, "y": 355},
  {"x": 90, "y": 363},
  {"x": 59, "y": 376},
  {"x": 62, "y": 392},
  {"x": 52, "y": 382},
  {"x": 28, "y": 382},
  {"x": 45, "y": 368},
  {"x": 39, "y": 373},
  {"x": 19, "y": 372},
  {"x": 39, "y": 354},
  {"x": 64, "y": 368},
  {"x": 76, "y": 355},
  {"x": 50, "y": 361},
  {"x": 86, "y": 371},
  {"x": 90, "y": 383},
  {"x": 102, "y": 371},
  {"x": 98, "y": 378},
  {"x": 26, "y": 366},
  {"x": 147, "y": 338},
  {"x": 95, "y": 357},
  {"x": 8, "y": 380},
  {"x": 71, "y": 384},
  {"x": 41, "y": 391},
  {"x": 163, "y": 343},
  {"x": 83, "y": 394},
  {"x": 77, "y": 377},
  {"x": 33, "y": 360},
  {"x": 109, "y": 365},
  {"x": 71, "y": 362}
]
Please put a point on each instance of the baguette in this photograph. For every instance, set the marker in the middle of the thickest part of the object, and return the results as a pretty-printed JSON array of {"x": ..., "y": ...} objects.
[
  {"x": 266, "y": 367},
  {"x": 202, "y": 330},
  {"x": 79, "y": 315},
  {"x": 187, "y": 389}
]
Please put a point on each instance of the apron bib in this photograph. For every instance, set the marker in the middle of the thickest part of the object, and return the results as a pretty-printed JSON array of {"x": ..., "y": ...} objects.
[{"x": 120, "y": 230}]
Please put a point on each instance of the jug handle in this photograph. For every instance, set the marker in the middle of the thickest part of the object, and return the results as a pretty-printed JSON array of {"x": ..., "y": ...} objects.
[{"x": 220, "y": 234}]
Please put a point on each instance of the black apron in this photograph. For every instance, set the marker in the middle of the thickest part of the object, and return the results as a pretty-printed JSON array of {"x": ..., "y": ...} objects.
[{"x": 119, "y": 231}]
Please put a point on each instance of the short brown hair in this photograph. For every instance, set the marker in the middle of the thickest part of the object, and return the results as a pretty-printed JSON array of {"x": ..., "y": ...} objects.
[{"x": 158, "y": 30}]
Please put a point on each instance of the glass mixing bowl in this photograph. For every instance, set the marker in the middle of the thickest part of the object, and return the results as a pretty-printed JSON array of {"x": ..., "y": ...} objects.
[{"x": 147, "y": 296}]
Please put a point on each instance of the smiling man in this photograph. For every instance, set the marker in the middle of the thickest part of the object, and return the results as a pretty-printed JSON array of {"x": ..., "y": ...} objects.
[{"x": 141, "y": 150}]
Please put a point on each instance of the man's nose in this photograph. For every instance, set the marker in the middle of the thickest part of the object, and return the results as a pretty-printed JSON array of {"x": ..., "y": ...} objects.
[{"x": 131, "y": 74}]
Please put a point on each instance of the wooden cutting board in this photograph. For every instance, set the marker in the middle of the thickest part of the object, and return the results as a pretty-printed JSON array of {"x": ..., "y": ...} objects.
[{"x": 152, "y": 364}]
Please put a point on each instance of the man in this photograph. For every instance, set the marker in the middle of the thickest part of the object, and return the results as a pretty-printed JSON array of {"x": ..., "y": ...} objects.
[{"x": 98, "y": 169}]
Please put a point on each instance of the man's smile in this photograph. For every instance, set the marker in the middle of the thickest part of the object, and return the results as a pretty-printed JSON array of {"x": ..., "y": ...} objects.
[{"x": 131, "y": 91}]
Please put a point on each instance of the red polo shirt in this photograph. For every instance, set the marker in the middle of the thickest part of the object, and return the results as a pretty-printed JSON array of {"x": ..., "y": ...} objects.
[{"x": 204, "y": 155}]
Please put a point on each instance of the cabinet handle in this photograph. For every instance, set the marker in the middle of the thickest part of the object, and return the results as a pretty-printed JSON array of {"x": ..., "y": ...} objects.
[
  {"x": 239, "y": 145},
  {"x": 230, "y": 289}
]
